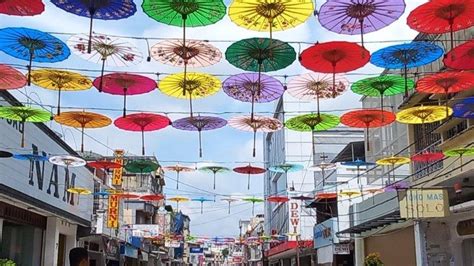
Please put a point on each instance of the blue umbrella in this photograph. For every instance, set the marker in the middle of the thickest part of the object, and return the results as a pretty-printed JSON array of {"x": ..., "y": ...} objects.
[
  {"x": 464, "y": 108},
  {"x": 93, "y": 9},
  {"x": 32, "y": 46},
  {"x": 358, "y": 163},
  {"x": 408, "y": 55},
  {"x": 102, "y": 194},
  {"x": 202, "y": 200},
  {"x": 286, "y": 168},
  {"x": 30, "y": 157}
]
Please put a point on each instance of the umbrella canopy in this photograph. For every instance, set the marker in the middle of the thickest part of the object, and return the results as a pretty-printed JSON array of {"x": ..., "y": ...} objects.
[
  {"x": 397, "y": 186},
  {"x": 461, "y": 57},
  {"x": 178, "y": 169},
  {"x": 334, "y": 57},
  {"x": 101, "y": 194},
  {"x": 326, "y": 195},
  {"x": 214, "y": 169},
  {"x": 31, "y": 157},
  {"x": 190, "y": 86},
  {"x": 32, "y": 46},
  {"x": 322, "y": 167},
  {"x": 423, "y": 114},
  {"x": 67, "y": 161},
  {"x": 270, "y": 15},
  {"x": 82, "y": 120},
  {"x": 349, "y": 193},
  {"x": 193, "y": 53},
  {"x": 142, "y": 122},
  {"x": 106, "y": 165},
  {"x": 278, "y": 199},
  {"x": 141, "y": 166},
  {"x": 60, "y": 80},
  {"x": 21, "y": 7},
  {"x": 178, "y": 199},
  {"x": 249, "y": 170},
  {"x": 229, "y": 201},
  {"x": 253, "y": 200},
  {"x": 24, "y": 114},
  {"x": 461, "y": 152},
  {"x": 79, "y": 191},
  {"x": 442, "y": 16},
  {"x": 5, "y": 154},
  {"x": 464, "y": 108},
  {"x": 301, "y": 197},
  {"x": 360, "y": 16},
  {"x": 427, "y": 157},
  {"x": 446, "y": 83},
  {"x": 382, "y": 86},
  {"x": 152, "y": 197},
  {"x": 199, "y": 124},
  {"x": 10, "y": 78},
  {"x": 392, "y": 161},
  {"x": 124, "y": 84},
  {"x": 408, "y": 55},
  {"x": 286, "y": 168},
  {"x": 358, "y": 163},
  {"x": 255, "y": 124},
  {"x": 201, "y": 200},
  {"x": 103, "y": 10}
]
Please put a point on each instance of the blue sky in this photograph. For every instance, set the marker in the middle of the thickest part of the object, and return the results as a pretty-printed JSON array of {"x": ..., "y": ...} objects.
[{"x": 170, "y": 145}]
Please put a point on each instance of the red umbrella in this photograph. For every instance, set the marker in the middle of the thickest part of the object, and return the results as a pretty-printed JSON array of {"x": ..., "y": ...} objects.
[
  {"x": 442, "y": 16},
  {"x": 21, "y": 7},
  {"x": 10, "y": 78},
  {"x": 446, "y": 83},
  {"x": 152, "y": 197},
  {"x": 142, "y": 122},
  {"x": 427, "y": 157},
  {"x": 249, "y": 170},
  {"x": 334, "y": 57},
  {"x": 104, "y": 165},
  {"x": 461, "y": 57},
  {"x": 368, "y": 118},
  {"x": 278, "y": 199},
  {"x": 127, "y": 195}
]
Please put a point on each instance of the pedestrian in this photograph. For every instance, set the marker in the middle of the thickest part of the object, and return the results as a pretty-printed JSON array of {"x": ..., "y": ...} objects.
[{"x": 78, "y": 257}]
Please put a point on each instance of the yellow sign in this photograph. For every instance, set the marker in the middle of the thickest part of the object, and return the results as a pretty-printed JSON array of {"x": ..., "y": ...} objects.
[
  {"x": 113, "y": 211},
  {"x": 117, "y": 174},
  {"x": 423, "y": 203}
]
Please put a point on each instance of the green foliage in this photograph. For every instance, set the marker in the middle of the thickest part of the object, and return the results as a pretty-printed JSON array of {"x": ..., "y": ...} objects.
[
  {"x": 373, "y": 259},
  {"x": 7, "y": 262}
]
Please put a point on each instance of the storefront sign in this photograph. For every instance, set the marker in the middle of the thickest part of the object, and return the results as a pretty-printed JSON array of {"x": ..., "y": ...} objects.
[
  {"x": 423, "y": 203},
  {"x": 342, "y": 249},
  {"x": 169, "y": 243},
  {"x": 117, "y": 173},
  {"x": 113, "y": 211},
  {"x": 324, "y": 233},
  {"x": 146, "y": 230},
  {"x": 294, "y": 216},
  {"x": 465, "y": 227}
]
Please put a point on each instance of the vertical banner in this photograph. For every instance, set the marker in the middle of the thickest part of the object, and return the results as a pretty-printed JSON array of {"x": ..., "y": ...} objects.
[
  {"x": 117, "y": 174},
  {"x": 294, "y": 216},
  {"x": 113, "y": 211}
]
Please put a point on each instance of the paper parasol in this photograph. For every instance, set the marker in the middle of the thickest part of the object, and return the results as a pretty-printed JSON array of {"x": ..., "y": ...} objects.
[
  {"x": 358, "y": 163},
  {"x": 152, "y": 197},
  {"x": 32, "y": 46},
  {"x": 322, "y": 167},
  {"x": 24, "y": 114},
  {"x": 460, "y": 152},
  {"x": 178, "y": 169},
  {"x": 214, "y": 169},
  {"x": 400, "y": 185},
  {"x": 142, "y": 122},
  {"x": 10, "y": 78},
  {"x": 82, "y": 120},
  {"x": 302, "y": 197},
  {"x": 392, "y": 161},
  {"x": 124, "y": 84},
  {"x": 270, "y": 15},
  {"x": 79, "y": 191},
  {"x": 105, "y": 165},
  {"x": 326, "y": 195},
  {"x": 67, "y": 161},
  {"x": 249, "y": 170},
  {"x": 334, "y": 57},
  {"x": 229, "y": 201},
  {"x": 141, "y": 167},
  {"x": 253, "y": 200},
  {"x": 199, "y": 124},
  {"x": 278, "y": 199},
  {"x": 461, "y": 57},
  {"x": 427, "y": 157},
  {"x": 201, "y": 200},
  {"x": 21, "y": 7},
  {"x": 349, "y": 193},
  {"x": 5, "y": 154},
  {"x": 286, "y": 168},
  {"x": 255, "y": 124},
  {"x": 178, "y": 199},
  {"x": 464, "y": 108},
  {"x": 31, "y": 157}
]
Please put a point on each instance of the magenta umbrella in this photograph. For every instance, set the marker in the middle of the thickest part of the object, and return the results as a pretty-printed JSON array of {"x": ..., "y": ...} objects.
[{"x": 124, "y": 84}]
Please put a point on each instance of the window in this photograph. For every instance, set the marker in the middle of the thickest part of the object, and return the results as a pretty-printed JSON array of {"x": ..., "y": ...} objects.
[{"x": 22, "y": 244}]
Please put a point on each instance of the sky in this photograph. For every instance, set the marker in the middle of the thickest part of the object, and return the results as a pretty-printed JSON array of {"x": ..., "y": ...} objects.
[{"x": 227, "y": 146}]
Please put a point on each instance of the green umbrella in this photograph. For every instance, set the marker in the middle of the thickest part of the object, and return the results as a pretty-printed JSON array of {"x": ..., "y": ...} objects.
[
  {"x": 459, "y": 152},
  {"x": 253, "y": 200},
  {"x": 24, "y": 114},
  {"x": 312, "y": 123},
  {"x": 141, "y": 166},
  {"x": 214, "y": 169},
  {"x": 382, "y": 86}
]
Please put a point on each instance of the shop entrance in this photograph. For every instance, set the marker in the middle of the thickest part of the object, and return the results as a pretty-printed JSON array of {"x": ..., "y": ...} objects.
[
  {"x": 468, "y": 251},
  {"x": 61, "y": 249},
  {"x": 21, "y": 243}
]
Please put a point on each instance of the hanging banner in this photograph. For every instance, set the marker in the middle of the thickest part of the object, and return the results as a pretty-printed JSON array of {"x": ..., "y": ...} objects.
[
  {"x": 294, "y": 216},
  {"x": 117, "y": 173},
  {"x": 113, "y": 211},
  {"x": 423, "y": 203}
]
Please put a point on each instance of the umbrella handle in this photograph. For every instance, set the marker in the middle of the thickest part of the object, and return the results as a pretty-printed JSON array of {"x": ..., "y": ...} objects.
[
  {"x": 143, "y": 142},
  {"x": 23, "y": 133},
  {"x": 29, "y": 66},
  {"x": 102, "y": 74},
  {"x": 254, "y": 142},
  {"x": 214, "y": 181},
  {"x": 82, "y": 139},
  {"x": 91, "y": 13},
  {"x": 248, "y": 181},
  {"x": 361, "y": 21},
  {"x": 59, "y": 101},
  {"x": 200, "y": 143},
  {"x": 177, "y": 180},
  {"x": 124, "y": 102}
]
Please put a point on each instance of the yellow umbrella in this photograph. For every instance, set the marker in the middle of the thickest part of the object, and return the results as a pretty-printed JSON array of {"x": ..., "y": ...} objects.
[
  {"x": 270, "y": 15},
  {"x": 349, "y": 193},
  {"x": 60, "y": 80},
  {"x": 190, "y": 86},
  {"x": 393, "y": 160},
  {"x": 178, "y": 199},
  {"x": 79, "y": 191},
  {"x": 82, "y": 120}
]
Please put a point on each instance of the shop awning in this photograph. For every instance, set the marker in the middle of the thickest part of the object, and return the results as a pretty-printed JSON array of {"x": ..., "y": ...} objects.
[
  {"x": 288, "y": 247},
  {"x": 393, "y": 217}
]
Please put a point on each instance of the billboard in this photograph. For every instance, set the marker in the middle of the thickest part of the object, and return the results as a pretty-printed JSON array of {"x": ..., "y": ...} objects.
[{"x": 423, "y": 203}]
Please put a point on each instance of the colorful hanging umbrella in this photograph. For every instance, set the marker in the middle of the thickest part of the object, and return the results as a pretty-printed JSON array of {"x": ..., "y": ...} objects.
[
  {"x": 334, "y": 57},
  {"x": 253, "y": 200},
  {"x": 31, "y": 157},
  {"x": 427, "y": 157},
  {"x": 358, "y": 163},
  {"x": 446, "y": 83},
  {"x": 190, "y": 86},
  {"x": 202, "y": 200},
  {"x": 32, "y": 46},
  {"x": 103, "y": 10},
  {"x": 178, "y": 199},
  {"x": 199, "y": 124},
  {"x": 400, "y": 185},
  {"x": 141, "y": 167},
  {"x": 67, "y": 161},
  {"x": 178, "y": 169},
  {"x": 461, "y": 57},
  {"x": 214, "y": 169},
  {"x": 442, "y": 16},
  {"x": 278, "y": 199},
  {"x": 142, "y": 122},
  {"x": 255, "y": 124},
  {"x": 229, "y": 201},
  {"x": 82, "y": 120},
  {"x": 102, "y": 194},
  {"x": 461, "y": 152},
  {"x": 322, "y": 167},
  {"x": 105, "y": 165},
  {"x": 312, "y": 123},
  {"x": 60, "y": 80},
  {"x": 152, "y": 197},
  {"x": 249, "y": 170},
  {"x": 367, "y": 118},
  {"x": 408, "y": 55},
  {"x": 286, "y": 168},
  {"x": 270, "y": 15},
  {"x": 106, "y": 50},
  {"x": 5, "y": 154},
  {"x": 464, "y": 108},
  {"x": 79, "y": 191},
  {"x": 349, "y": 193},
  {"x": 381, "y": 86},
  {"x": 124, "y": 84},
  {"x": 21, "y": 7},
  {"x": 372, "y": 191},
  {"x": 392, "y": 161},
  {"x": 360, "y": 16},
  {"x": 10, "y": 78},
  {"x": 24, "y": 114},
  {"x": 316, "y": 86},
  {"x": 423, "y": 114},
  {"x": 326, "y": 195},
  {"x": 301, "y": 197}
]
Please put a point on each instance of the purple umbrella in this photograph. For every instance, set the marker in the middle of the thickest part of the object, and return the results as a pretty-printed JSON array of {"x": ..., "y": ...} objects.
[
  {"x": 397, "y": 186},
  {"x": 253, "y": 87},
  {"x": 199, "y": 123},
  {"x": 359, "y": 16}
]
